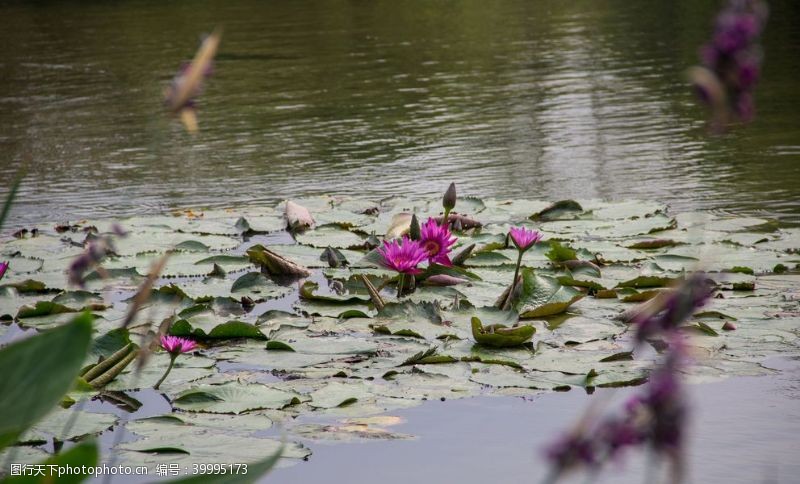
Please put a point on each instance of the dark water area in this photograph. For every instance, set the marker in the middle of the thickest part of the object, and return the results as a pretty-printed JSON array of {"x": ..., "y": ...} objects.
[
  {"x": 743, "y": 430},
  {"x": 542, "y": 99}
]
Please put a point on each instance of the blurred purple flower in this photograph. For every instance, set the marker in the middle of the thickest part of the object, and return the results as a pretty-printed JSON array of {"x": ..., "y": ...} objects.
[
  {"x": 97, "y": 248},
  {"x": 674, "y": 308},
  {"x": 572, "y": 451},
  {"x": 3, "y": 268},
  {"x": 731, "y": 63}
]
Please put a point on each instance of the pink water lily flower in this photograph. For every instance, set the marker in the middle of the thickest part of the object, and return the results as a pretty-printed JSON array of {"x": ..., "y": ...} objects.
[
  {"x": 3, "y": 268},
  {"x": 175, "y": 345},
  {"x": 436, "y": 241},
  {"x": 524, "y": 238},
  {"x": 402, "y": 256}
]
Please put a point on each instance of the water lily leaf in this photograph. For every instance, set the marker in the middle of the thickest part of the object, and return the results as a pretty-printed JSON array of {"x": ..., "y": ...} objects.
[
  {"x": 425, "y": 386},
  {"x": 647, "y": 281},
  {"x": 255, "y": 470},
  {"x": 451, "y": 271},
  {"x": 279, "y": 346},
  {"x": 559, "y": 210},
  {"x": 233, "y": 398},
  {"x": 27, "y": 286},
  {"x": 416, "y": 320},
  {"x": 649, "y": 244},
  {"x": 277, "y": 360},
  {"x": 484, "y": 259},
  {"x": 83, "y": 455},
  {"x": 623, "y": 356},
  {"x": 639, "y": 296},
  {"x": 499, "y": 335},
  {"x": 335, "y": 394},
  {"x": 543, "y": 296},
  {"x": 81, "y": 424},
  {"x": 37, "y": 372},
  {"x": 226, "y": 330},
  {"x": 109, "y": 343},
  {"x": 400, "y": 225},
  {"x": 700, "y": 328},
  {"x": 275, "y": 264},
  {"x": 331, "y": 309},
  {"x": 162, "y": 441},
  {"x": 333, "y": 257},
  {"x": 331, "y": 236},
  {"x": 309, "y": 288},
  {"x": 579, "y": 330},
  {"x": 561, "y": 253},
  {"x": 43, "y": 308}
]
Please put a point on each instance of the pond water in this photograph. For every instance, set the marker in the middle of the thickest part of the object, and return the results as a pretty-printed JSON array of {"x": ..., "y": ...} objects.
[
  {"x": 545, "y": 99},
  {"x": 735, "y": 437}
]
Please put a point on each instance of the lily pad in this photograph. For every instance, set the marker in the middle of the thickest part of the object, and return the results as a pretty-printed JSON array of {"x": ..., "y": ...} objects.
[
  {"x": 501, "y": 336},
  {"x": 543, "y": 296}
]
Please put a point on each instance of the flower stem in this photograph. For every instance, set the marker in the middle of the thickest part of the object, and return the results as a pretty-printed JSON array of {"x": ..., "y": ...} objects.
[
  {"x": 400, "y": 284},
  {"x": 516, "y": 273},
  {"x": 172, "y": 359},
  {"x": 446, "y": 218},
  {"x": 510, "y": 297}
]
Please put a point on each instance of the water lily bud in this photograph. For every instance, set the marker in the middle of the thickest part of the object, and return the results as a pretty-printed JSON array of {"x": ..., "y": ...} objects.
[
  {"x": 415, "y": 232},
  {"x": 449, "y": 200}
]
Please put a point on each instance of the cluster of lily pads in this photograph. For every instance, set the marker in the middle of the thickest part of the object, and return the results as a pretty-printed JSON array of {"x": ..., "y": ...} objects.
[{"x": 301, "y": 310}]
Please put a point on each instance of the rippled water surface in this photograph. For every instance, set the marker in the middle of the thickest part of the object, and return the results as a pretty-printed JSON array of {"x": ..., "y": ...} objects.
[{"x": 542, "y": 99}]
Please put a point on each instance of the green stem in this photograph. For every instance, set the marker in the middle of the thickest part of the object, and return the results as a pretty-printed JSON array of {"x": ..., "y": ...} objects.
[
  {"x": 400, "y": 285},
  {"x": 172, "y": 359},
  {"x": 516, "y": 273},
  {"x": 446, "y": 218},
  {"x": 510, "y": 298}
]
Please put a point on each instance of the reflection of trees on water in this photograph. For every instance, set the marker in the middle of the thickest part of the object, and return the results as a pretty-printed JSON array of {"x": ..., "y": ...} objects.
[{"x": 580, "y": 99}]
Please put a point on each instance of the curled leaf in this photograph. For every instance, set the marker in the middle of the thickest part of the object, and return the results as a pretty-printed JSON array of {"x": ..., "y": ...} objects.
[
  {"x": 274, "y": 264},
  {"x": 443, "y": 280},
  {"x": 401, "y": 225},
  {"x": 563, "y": 209},
  {"x": 500, "y": 335}
]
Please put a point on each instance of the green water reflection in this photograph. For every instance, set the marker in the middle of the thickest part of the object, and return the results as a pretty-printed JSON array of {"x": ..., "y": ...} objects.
[{"x": 547, "y": 99}]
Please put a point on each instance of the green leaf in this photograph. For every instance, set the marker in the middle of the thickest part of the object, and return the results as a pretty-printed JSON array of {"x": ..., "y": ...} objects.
[
  {"x": 234, "y": 398},
  {"x": 278, "y": 346},
  {"x": 647, "y": 282},
  {"x": 37, "y": 372},
  {"x": 43, "y": 308},
  {"x": 501, "y": 336},
  {"x": 83, "y": 454},
  {"x": 336, "y": 394},
  {"x": 559, "y": 210},
  {"x": 308, "y": 291},
  {"x": 109, "y": 343},
  {"x": 226, "y": 330},
  {"x": 700, "y": 328},
  {"x": 543, "y": 296},
  {"x": 560, "y": 253}
]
